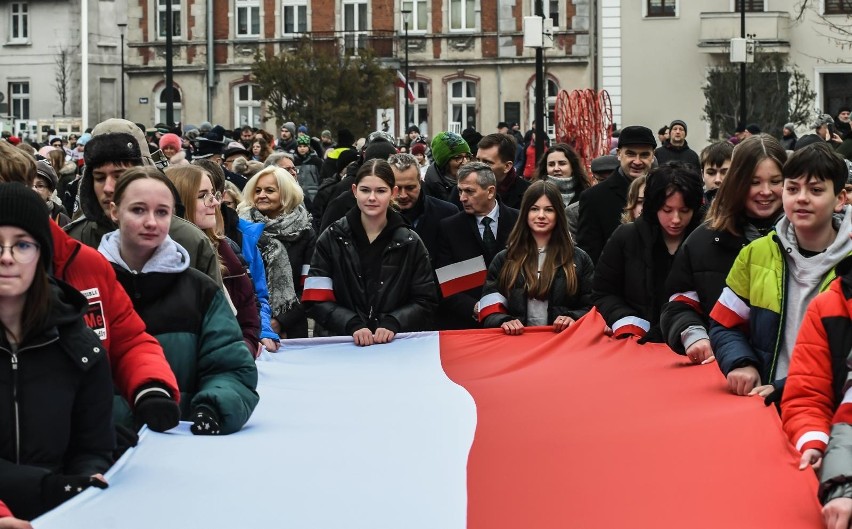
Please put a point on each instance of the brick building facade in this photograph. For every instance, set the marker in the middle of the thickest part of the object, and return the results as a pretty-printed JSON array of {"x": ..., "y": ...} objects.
[{"x": 467, "y": 63}]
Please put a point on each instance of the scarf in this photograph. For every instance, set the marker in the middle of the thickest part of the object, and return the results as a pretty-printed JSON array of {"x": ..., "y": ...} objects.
[
  {"x": 273, "y": 243},
  {"x": 566, "y": 188}
]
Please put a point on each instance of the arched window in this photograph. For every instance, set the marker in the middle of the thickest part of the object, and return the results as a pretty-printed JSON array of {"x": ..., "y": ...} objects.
[
  {"x": 246, "y": 106},
  {"x": 418, "y": 110},
  {"x": 461, "y": 105},
  {"x": 552, "y": 89},
  {"x": 160, "y": 105}
]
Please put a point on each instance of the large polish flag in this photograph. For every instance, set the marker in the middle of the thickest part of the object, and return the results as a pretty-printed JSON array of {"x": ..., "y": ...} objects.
[{"x": 470, "y": 429}]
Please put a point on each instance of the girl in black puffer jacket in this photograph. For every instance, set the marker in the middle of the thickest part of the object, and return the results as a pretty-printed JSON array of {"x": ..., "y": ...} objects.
[
  {"x": 56, "y": 432},
  {"x": 370, "y": 276},
  {"x": 746, "y": 207},
  {"x": 631, "y": 273},
  {"x": 541, "y": 278}
]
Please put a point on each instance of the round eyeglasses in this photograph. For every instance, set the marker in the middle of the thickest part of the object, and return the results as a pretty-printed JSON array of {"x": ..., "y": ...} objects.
[
  {"x": 23, "y": 252},
  {"x": 210, "y": 199}
]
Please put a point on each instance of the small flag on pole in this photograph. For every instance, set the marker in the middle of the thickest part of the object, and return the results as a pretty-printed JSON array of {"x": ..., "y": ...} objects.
[{"x": 400, "y": 83}]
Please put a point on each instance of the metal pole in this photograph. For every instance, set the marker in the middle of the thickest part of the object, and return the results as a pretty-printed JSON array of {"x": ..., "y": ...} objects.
[
  {"x": 742, "y": 67},
  {"x": 84, "y": 69},
  {"x": 170, "y": 105},
  {"x": 405, "y": 14},
  {"x": 407, "y": 81},
  {"x": 539, "y": 90},
  {"x": 121, "y": 28}
]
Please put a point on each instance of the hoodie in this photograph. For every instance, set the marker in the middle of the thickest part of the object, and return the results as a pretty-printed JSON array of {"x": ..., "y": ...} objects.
[
  {"x": 169, "y": 258},
  {"x": 190, "y": 317},
  {"x": 805, "y": 276}
]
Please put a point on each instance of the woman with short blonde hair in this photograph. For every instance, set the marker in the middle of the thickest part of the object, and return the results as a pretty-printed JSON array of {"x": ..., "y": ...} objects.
[{"x": 280, "y": 227}]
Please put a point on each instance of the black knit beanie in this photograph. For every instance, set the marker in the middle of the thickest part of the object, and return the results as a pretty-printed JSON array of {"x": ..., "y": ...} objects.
[{"x": 21, "y": 207}]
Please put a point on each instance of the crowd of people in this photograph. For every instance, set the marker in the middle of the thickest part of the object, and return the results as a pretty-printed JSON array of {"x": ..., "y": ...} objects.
[{"x": 162, "y": 262}]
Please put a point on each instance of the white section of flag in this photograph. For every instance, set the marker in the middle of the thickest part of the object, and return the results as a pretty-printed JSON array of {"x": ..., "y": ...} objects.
[
  {"x": 461, "y": 269},
  {"x": 373, "y": 437}
]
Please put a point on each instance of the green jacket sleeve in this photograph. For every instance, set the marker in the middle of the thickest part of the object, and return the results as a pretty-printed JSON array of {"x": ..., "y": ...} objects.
[{"x": 227, "y": 374}]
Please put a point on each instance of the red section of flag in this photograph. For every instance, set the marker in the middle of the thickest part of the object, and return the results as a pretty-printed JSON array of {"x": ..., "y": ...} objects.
[
  {"x": 454, "y": 286},
  {"x": 581, "y": 430}
]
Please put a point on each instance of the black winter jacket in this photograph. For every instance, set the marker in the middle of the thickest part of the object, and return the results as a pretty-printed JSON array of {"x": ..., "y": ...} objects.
[
  {"x": 625, "y": 290},
  {"x": 406, "y": 299},
  {"x": 57, "y": 396},
  {"x": 559, "y": 302},
  {"x": 699, "y": 271}
]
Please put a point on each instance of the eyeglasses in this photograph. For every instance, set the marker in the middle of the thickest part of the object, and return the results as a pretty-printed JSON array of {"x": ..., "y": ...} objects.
[
  {"x": 210, "y": 199},
  {"x": 39, "y": 186},
  {"x": 292, "y": 170},
  {"x": 459, "y": 157},
  {"x": 23, "y": 252}
]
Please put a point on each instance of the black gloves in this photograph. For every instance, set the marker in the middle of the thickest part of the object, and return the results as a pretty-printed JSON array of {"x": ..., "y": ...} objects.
[
  {"x": 205, "y": 422},
  {"x": 57, "y": 488},
  {"x": 156, "y": 408}
]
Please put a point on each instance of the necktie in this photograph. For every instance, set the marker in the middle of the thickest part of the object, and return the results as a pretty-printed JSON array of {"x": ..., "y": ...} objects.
[{"x": 488, "y": 239}]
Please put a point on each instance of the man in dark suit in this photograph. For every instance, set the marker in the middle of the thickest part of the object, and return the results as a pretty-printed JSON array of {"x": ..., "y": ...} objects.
[
  {"x": 468, "y": 241},
  {"x": 422, "y": 212},
  {"x": 601, "y": 205}
]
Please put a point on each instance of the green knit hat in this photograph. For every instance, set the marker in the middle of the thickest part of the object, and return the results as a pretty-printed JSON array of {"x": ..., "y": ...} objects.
[
  {"x": 303, "y": 139},
  {"x": 446, "y": 145}
]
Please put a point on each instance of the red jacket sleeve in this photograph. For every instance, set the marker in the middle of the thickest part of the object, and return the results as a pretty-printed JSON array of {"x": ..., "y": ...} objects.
[{"x": 808, "y": 403}]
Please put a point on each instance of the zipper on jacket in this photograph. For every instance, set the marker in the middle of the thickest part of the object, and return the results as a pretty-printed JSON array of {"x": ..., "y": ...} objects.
[
  {"x": 783, "y": 311},
  {"x": 16, "y": 408}
]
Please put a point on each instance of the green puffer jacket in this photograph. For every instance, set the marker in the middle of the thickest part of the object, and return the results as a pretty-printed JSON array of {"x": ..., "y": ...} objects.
[{"x": 190, "y": 317}]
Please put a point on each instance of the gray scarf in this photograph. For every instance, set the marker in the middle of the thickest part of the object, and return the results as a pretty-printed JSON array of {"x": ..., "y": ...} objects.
[
  {"x": 566, "y": 188},
  {"x": 277, "y": 235}
]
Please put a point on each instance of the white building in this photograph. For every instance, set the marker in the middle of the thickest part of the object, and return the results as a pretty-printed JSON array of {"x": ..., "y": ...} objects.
[
  {"x": 32, "y": 35},
  {"x": 655, "y": 53}
]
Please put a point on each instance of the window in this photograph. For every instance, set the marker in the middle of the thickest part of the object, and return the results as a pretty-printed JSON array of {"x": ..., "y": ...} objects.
[
  {"x": 294, "y": 14},
  {"x": 462, "y": 15},
  {"x": 838, "y": 7},
  {"x": 750, "y": 5},
  {"x": 246, "y": 107},
  {"x": 162, "y": 20},
  {"x": 354, "y": 24},
  {"x": 662, "y": 8},
  {"x": 551, "y": 10},
  {"x": 160, "y": 106},
  {"x": 417, "y": 18},
  {"x": 418, "y": 110},
  {"x": 550, "y": 100},
  {"x": 461, "y": 105},
  {"x": 19, "y": 99},
  {"x": 19, "y": 22},
  {"x": 248, "y": 18}
]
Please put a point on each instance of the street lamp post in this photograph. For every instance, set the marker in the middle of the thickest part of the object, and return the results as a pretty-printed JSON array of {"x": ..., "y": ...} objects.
[
  {"x": 121, "y": 28},
  {"x": 405, "y": 14}
]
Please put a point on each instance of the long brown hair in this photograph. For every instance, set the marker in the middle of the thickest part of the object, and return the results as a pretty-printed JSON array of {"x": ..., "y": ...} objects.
[
  {"x": 727, "y": 209},
  {"x": 38, "y": 305},
  {"x": 578, "y": 172},
  {"x": 522, "y": 250}
]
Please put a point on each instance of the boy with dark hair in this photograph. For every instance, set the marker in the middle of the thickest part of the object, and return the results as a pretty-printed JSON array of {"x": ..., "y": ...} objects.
[
  {"x": 715, "y": 161},
  {"x": 755, "y": 322}
]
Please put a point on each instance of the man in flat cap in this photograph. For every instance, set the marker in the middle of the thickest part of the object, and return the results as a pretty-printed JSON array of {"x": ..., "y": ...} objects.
[{"x": 601, "y": 205}]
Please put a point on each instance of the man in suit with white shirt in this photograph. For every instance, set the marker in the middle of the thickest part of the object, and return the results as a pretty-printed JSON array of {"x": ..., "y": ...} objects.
[{"x": 469, "y": 241}]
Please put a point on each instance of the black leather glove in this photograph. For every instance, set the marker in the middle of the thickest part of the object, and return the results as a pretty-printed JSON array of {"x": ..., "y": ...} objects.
[
  {"x": 57, "y": 488},
  {"x": 156, "y": 408},
  {"x": 205, "y": 422}
]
